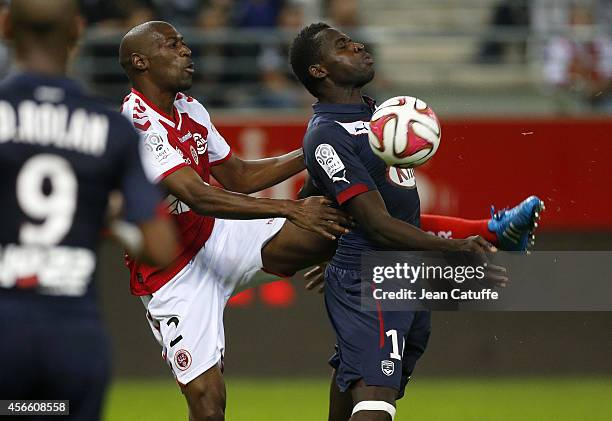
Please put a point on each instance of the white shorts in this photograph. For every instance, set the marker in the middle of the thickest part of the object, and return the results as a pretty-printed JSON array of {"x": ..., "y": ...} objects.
[{"x": 186, "y": 314}]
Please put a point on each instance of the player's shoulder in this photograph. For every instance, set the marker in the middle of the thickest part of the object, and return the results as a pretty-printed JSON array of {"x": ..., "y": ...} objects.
[
  {"x": 192, "y": 107},
  {"x": 119, "y": 128},
  {"x": 325, "y": 131},
  {"x": 140, "y": 114}
]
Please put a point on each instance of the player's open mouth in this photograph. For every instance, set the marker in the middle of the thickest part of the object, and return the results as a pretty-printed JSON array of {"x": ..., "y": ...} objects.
[{"x": 190, "y": 69}]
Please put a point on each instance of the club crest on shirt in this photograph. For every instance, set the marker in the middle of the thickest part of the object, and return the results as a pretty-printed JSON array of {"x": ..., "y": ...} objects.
[
  {"x": 401, "y": 177},
  {"x": 328, "y": 159}
]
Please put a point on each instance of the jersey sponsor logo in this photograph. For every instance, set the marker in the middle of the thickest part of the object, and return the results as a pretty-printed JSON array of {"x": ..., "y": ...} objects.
[
  {"x": 155, "y": 145},
  {"x": 194, "y": 154},
  {"x": 387, "y": 367},
  {"x": 328, "y": 159},
  {"x": 341, "y": 178},
  {"x": 182, "y": 358},
  {"x": 53, "y": 125},
  {"x": 201, "y": 143},
  {"x": 59, "y": 270},
  {"x": 356, "y": 127},
  {"x": 402, "y": 177}
]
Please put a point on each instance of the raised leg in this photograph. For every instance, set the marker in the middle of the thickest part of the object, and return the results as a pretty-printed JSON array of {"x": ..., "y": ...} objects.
[{"x": 293, "y": 249}]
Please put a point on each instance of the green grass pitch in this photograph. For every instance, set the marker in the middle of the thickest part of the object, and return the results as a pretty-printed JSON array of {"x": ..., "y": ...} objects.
[{"x": 434, "y": 399}]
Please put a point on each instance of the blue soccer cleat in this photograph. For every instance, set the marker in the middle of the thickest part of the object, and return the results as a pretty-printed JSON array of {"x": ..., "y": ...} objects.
[{"x": 515, "y": 227}]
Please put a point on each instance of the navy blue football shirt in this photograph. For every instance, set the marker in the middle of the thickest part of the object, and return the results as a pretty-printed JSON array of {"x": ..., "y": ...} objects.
[
  {"x": 342, "y": 165},
  {"x": 61, "y": 153}
]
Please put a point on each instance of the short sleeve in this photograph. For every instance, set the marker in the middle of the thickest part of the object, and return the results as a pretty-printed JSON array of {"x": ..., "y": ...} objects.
[
  {"x": 141, "y": 198},
  {"x": 218, "y": 149},
  {"x": 333, "y": 162},
  {"x": 159, "y": 158}
]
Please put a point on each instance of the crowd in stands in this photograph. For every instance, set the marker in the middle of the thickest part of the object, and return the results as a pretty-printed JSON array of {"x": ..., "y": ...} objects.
[
  {"x": 572, "y": 41},
  {"x": 227, "y": 67},
  {"x": 575, "y": 59}
]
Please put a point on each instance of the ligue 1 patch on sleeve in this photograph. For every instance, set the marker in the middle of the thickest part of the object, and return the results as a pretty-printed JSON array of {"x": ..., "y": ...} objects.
[
  {"x": 328, "y": 159},
  {"x": 154, "y": 144}
]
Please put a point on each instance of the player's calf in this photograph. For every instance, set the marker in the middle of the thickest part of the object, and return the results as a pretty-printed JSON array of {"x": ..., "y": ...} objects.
[{"x": 373, "y": 403}]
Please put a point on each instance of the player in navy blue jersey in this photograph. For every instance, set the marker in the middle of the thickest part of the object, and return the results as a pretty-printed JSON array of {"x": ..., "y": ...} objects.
[
  {"x": 61, "y": 154},
  {"x": 376, "y": 351}
]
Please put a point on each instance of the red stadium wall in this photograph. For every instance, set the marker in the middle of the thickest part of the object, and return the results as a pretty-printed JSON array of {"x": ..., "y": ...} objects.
[
  {"x": 484, "y": 162},
  {"x": 479, "y": 163},
  {"x": 278, "y": 329}
]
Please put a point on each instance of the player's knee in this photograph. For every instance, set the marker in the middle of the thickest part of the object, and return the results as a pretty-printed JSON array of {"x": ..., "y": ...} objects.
[
  {"x": 207, "y": 414},
  {"x": 373, "y": 411},
  {"x": 203, "y": 408}
]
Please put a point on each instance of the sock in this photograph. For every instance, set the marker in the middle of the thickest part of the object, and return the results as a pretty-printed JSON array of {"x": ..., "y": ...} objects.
[{"x": 450, "y": 227}]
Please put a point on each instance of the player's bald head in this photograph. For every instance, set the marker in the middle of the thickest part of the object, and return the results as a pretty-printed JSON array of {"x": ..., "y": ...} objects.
[
  {"x": 45, "y": 20},
  {"x": 155, "y": 54},
  {"x": 141, "y": 39}
]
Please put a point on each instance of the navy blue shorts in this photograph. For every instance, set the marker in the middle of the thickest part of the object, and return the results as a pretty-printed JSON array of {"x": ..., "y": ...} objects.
[
  {"x": 380, "y": 347},
  {"x": 52, "y": 349}
]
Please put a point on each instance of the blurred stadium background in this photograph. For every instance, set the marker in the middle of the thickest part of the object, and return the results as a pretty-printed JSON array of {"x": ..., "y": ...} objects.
[{"x": 524, "y": 91}]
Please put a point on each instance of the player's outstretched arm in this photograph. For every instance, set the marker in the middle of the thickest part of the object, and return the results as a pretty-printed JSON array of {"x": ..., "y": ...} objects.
[
  {"x": 370, "y": 212},
  {"x": 314, "y": 214},
  {"x": 249, "y": 176}
]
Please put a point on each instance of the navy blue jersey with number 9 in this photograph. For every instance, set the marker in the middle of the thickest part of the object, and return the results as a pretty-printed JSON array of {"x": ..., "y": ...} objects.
[{"x": 61, "y": 154}]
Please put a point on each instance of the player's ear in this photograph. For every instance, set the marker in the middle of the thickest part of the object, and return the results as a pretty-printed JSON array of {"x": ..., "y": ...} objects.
[
  {"x": 317, "y": 71},
  {"x": 77, "y": 29},
  {"x": 6, "y": 29},
  {"x": 139, "y": 62}
]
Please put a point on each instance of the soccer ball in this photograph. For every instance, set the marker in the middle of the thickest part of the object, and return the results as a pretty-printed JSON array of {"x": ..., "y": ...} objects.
[{"x": 404, "y": 132}]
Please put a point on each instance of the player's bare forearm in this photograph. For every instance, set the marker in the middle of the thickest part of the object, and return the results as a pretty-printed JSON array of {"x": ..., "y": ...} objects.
[
  {"x": 249, "y": 176},
  {"x": 369, "y": 210},
  {"x": 313, "y": 214},
  {"x": 208, "y": 200}
]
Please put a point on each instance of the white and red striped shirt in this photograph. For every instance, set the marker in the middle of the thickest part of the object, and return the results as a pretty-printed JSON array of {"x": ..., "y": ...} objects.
[{"x": 171, "y": 142}]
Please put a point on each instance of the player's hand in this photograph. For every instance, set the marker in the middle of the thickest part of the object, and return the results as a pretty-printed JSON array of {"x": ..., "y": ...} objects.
[
  {"x": 495, "y": 275},
  {"x": 478, "y": 245},
  {"x": 316, "y": 214},
  {"x": 316, "y": 278}
]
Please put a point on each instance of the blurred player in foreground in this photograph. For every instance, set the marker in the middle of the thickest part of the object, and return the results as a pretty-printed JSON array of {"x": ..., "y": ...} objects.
[
  {"x": 376, "y": 352},
  {"x": 224, "y": 245},
  {"x": 61, "y": 154}
]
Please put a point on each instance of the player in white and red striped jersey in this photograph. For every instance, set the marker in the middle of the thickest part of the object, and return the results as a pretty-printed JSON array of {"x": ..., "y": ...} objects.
[
  {"x": 227, "y": 238},
  {"x": 186, "y": 139}
]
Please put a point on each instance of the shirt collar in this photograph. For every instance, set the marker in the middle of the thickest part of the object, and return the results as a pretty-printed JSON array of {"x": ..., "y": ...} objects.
[
  {"x": 366, "y": 107},
  {"x": 176, "y": 119}
]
